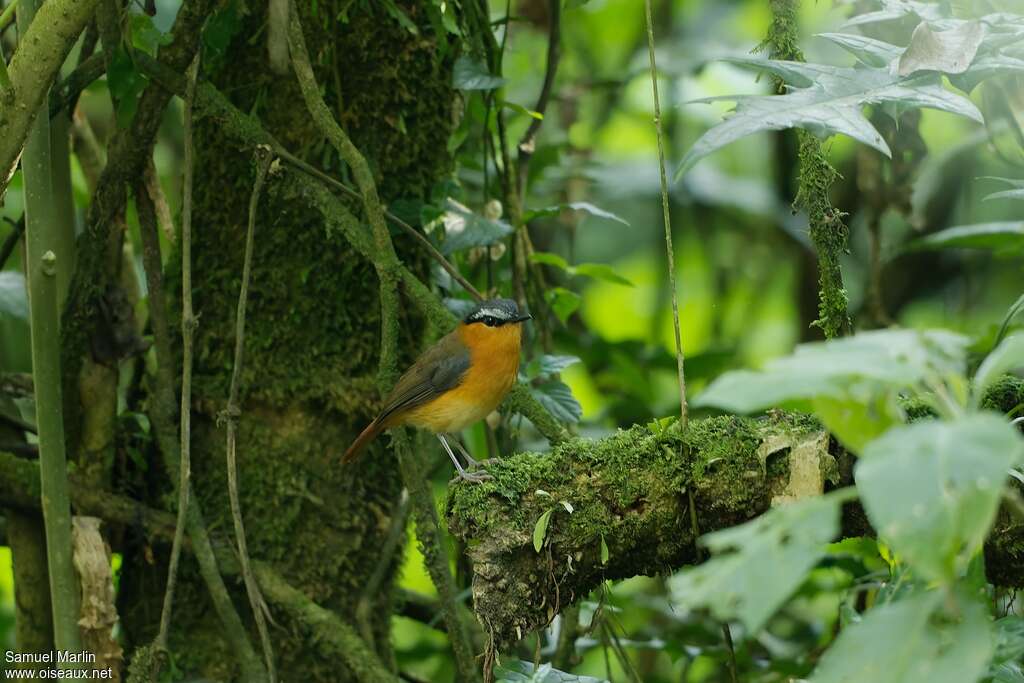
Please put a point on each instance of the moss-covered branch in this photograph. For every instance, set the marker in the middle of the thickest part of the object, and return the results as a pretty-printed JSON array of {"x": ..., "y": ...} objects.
[
  {"x": 34, "y": 65},
  {"x": 630, "y": 492}
]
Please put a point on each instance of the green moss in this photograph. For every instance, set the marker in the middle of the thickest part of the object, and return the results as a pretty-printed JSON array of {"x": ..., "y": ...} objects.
[
  {"x": 312, "y": 331},
  {"x": 1006, "y": 395}
]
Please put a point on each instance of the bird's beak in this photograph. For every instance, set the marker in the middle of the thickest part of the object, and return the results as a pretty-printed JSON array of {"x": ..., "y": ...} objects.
[{"x": 523, "y": 318}]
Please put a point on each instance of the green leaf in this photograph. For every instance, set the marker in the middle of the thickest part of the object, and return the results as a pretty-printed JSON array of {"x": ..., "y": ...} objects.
[
  {"x": 13, "y": 298},
  {"x": 932, "y": 489},
  {"x": 869, "y": 51},
  {"x": 759, "y": 564},
  {"x": 218, "y": 32},
  {"x": 598, "y": 271},
  {"x": 601, "y": 271},
  {"x": 557, "y": 397},
  {"x": 853, "y": 368},
  {"x": 585, "y": 207},
  {"x": 548, "y": 365},
  {"x": 145, "y": 36},
  {"x": 564, "y": 302},
  {"x": 825, "y": 100},
  {"x": 855, "y": 423},
  {"x": 950, "y": 51},
  {"x": 1009, "y": 639},
  {"x": 906, "y": 640},
  {"x": 1000, "y": 236},
  {"x": 550, "y": 259},
  {"x": 464, "y": 229},
  {"x": 605, "y": 555},
  {"x": 540, "y": 530},
  {"x": 471, "y": 74},
  {"x": 520, "y": 109},
  {"x": 126, "y": 83},
  {"x": 897, "y": 9},
  {"x": 399, "y": 15},
  {"x": 1007, "y": 356},
  {"x": 1011, "y": 313},
  {"x": 517, "y": 671},
  {"x": 1006, "y": 194}
]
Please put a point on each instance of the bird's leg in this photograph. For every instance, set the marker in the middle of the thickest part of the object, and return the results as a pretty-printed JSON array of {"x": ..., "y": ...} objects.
[
  {"x": 470, "y": 461},
  {"x": 473, "y": 477}
]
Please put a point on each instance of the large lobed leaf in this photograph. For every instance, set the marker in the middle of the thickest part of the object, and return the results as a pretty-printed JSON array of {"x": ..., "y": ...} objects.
[
  {"x": 932, "y": 488},
  {"x": 825, "y": 100},
  {"x": 910, "y": 640},
  {"x": 758, "y": 565}
]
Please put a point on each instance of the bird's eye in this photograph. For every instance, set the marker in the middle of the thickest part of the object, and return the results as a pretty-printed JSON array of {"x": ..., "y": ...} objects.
[{"x": 490, "y": 321}]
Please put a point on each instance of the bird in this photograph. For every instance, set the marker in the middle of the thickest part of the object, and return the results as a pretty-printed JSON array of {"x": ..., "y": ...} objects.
[{"x": 457, "y": 382}]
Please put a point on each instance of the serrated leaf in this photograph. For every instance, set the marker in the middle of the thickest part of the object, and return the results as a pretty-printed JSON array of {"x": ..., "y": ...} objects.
[
  {"x": 825, "y": 100},
  {"x": 869, "y": 51},
  {"x": 1007, "y": 356},
  {"x": 904, "y": 641},
  {"x": 932, "y": 489},
  {"x": 759, "y": 564},
  {"x": 949, "y": 51},
  {"x": 465, "y": 229},
  {"x": 472, "y": 74},
  {"x": 1007, "y": 235},
  {"x": 540, "y": 530},
  {"x": 13, "y": 299},
  {"x": 585, "y": 207},
  {"x": 557, "y": 397}
]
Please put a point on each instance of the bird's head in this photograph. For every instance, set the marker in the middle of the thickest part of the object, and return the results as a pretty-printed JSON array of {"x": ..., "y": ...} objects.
[{"x": 496, "y": 313}]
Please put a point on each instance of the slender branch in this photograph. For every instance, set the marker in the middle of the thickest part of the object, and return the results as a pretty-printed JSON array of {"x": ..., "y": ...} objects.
[
  {"x": 528, "y": 143},
  {"x": 187, "y": 329},
  {"x": 164, "y": 426},
  {"x": 234, "y": 411},
  {"x": 44, "y": 233},
  {"x": 66, "y": 93},
  {"x": 666, "y": 214},
  {"x": 7, "y": 16},
  {"x": 41, "y": 51},
  {"x": 394, "y": 540},
  {"x": 387, "y": 266},
  {"x": 12, "y": 241}
]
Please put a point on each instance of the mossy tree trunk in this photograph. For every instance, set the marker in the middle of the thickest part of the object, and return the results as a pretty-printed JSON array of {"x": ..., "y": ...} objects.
[{"x": 312, "y": 331}]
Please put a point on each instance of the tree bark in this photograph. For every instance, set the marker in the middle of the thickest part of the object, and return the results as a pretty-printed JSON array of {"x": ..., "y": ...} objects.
[{"x": 312, "y": 333}]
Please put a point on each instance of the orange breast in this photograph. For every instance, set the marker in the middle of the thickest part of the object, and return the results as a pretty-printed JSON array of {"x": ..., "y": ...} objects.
[{"x": 494, "y": 364}]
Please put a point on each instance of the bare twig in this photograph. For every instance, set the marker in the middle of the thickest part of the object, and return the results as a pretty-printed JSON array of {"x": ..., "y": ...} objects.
[
  {"x": 164, "y": 426},
  {"x": 233, "y": 411},
  {"x": 396, "y": 534},
  {"x": 527, "y": 143},
  {"x": 667, "y": 217},
  {"x": 187, "y": 328}
]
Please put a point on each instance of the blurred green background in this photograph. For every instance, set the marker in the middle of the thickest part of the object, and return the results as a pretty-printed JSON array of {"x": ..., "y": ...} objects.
[{"x": 747, "y": 282}]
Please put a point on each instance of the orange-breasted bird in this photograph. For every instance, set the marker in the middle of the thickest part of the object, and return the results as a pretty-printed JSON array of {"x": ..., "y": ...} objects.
[{"x": 456, "y": 382}]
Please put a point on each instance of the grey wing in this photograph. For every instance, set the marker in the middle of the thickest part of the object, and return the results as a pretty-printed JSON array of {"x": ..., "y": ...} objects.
[{"x": 439, "y": 369}]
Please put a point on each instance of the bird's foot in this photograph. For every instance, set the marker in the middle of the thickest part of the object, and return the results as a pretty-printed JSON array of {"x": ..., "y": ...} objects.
[
  {"x": 482, "y": 464},
  {"x": 471, "y": 477}
]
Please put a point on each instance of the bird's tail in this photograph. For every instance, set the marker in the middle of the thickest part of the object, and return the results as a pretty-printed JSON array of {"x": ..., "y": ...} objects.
[{"x": 368, "y": 435}]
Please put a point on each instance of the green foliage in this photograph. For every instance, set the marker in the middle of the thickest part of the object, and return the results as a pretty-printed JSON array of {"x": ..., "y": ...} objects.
[
  {"x": 758, "y": 565},
  {"x": 931, "y": 489},
  {"x": 912, "y": 639},
  {"x": 825, "y": 100},
  {"x": 1001, "y": 237},
  {"x": 465, "y": 229},
  {"x": 472, "y": 74},
  {"x": 598, "y": 271},
  {"x": 518, "y": 671}
]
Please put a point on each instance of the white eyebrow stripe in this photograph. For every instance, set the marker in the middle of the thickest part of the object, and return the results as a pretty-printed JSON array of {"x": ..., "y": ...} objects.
[{"x": 493, "y": 312}]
